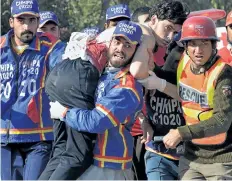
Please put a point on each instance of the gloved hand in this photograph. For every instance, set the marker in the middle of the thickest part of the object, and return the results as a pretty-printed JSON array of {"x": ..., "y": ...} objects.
[
  {"x": 57, "y": 111},
  {"x": 153, "y": 82}
]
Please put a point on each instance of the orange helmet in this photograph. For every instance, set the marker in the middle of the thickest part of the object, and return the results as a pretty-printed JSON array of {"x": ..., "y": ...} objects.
[
  {"x": 229, "y": 19},
  {"x": 199, "y": 27}
]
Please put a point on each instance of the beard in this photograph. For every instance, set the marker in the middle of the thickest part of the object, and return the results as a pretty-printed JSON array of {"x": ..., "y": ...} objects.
[
  {"x": 119, "y": 60},
  {"x": 26, "y": 37}
]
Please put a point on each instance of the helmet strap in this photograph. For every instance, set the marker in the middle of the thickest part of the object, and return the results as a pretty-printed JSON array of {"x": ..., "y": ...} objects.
[{"x": 211, "y": 60}]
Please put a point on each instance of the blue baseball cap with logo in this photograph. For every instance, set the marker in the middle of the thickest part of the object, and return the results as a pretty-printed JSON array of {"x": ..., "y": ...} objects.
[
  {"x": 131, "y": 31},
  {"x": 92, "y": 30},
  {"x": 19, "y": 7},
  {"x": 46, "y": 16},
  {"x": 120, "y": 10}
]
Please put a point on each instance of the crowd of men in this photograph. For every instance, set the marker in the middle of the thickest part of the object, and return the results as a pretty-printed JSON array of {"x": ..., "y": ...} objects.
[{"x": 100, "y": 108}]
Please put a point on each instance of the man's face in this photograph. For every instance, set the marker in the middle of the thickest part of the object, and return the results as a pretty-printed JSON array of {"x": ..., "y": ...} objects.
[
  {"x": 164, "y": 31},
  {"x": 229, "y": 32},
  {"x": 52, "y": 28},
  {"x": 199, "y": 51},
  {"x": 25, "y": 27},
  {"x": 111, "y": 24},
  {"x": 143, "y": 18},
  {"x": 120, "y": 52}
]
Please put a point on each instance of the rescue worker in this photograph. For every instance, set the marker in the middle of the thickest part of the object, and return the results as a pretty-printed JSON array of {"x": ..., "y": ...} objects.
[
  {"x": 226, "y": 52},
  {"x": 26, "y": 128},
  {"x": 205, "y": 90}
]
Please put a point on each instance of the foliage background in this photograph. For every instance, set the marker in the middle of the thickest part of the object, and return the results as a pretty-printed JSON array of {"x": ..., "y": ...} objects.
[{"x": 74, "y": 15}]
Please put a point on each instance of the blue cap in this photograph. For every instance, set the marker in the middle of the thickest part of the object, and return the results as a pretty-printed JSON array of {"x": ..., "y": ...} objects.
[
  {"x": 46, "y": 16},
  {"x": 19, "y": 7},
  {"x": 129, "y": 30},
  {"x": 120, "y": 10},
  {"x": 91, "y": 30}
]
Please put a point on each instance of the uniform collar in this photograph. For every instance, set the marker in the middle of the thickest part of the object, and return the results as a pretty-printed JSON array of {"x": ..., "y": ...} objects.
[
  {"x": 34, "y": 45},
  {"x": 111, "y": 70},
  {"x": 120, "y": 72}
]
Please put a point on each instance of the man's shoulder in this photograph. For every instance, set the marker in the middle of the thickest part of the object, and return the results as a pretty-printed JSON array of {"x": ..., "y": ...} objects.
[
  {"x": 225, "y": 74},
  {"x": 227, "y": 70},
  {"x": 49, "y": 41},
  {"x": 224, "y": 82},
  {"x": 128, "y": 81},
  {"x": 3, "y": 40},
  {"x": 128, "y": 84}
]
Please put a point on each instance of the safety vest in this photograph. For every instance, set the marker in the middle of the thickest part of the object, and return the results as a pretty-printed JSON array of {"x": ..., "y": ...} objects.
[{"x": 197, "y": 93}]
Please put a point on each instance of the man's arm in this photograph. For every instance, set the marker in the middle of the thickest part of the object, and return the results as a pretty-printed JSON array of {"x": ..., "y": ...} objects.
[
  {"x": 151, "y": 81},
  {"x": 55, "y": 54},
  {"x": 221, "y": 120},
  {"x": 110, "y": 111},
  {"x": 154, "y": 82},
  {"x": 171, "y": 90},
  {"x": 140, "y": 64}
]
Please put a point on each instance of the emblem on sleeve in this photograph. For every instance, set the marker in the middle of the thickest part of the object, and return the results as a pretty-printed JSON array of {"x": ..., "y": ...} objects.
[{"x": 226, "y": 90}]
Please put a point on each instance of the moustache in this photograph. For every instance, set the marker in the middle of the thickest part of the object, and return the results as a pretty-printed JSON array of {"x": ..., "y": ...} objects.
[
  {"x": 26, "y": 32},
  {"x": 123, "y": 54}
]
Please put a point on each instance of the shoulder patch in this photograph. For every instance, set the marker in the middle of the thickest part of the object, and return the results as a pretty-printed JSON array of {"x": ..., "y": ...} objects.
[
  {"x": 130, "y": 80},
  {"x": 226, "y": 90}
]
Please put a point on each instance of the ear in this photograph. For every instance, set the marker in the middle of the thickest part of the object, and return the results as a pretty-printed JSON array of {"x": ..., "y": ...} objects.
[
  {"x": 59, "y": 32},
  {"x": 11, "y": 22},
  {"x": 186, "y": 51},
  {"x": 154, "y": 19},
  {"x": 105, "y": 26}
]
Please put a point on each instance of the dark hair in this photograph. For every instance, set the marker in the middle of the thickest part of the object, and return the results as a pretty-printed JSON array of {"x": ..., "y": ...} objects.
[
  {"x": 173, "y": 11},
  {"x": 51, "y": 22},
  {"x": 117, "y": 20},
  {"x": 138, "y": 12}
]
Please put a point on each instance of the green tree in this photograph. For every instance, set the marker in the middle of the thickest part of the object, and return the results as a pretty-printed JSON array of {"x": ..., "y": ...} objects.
[
  {"x": 74, "y": 15},
  {"x": 5, "y": 15}
]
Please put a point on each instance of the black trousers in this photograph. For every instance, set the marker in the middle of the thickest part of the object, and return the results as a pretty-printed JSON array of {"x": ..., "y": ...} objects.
[
  {"x": 138, "y": 159},
  {"x": 72, "y": 153},
  {"x": 72, "y": 83}
]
